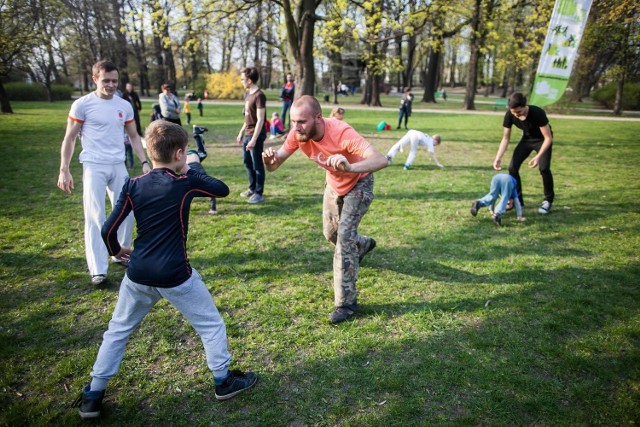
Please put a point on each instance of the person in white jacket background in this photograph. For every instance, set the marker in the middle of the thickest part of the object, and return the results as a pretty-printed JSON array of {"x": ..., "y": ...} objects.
[{"x": 415, "y": 139}]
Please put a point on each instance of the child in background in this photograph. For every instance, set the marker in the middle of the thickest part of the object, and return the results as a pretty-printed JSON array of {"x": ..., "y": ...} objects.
[
  {"x": 337, "y": 113},
  {"x": 502, "y": 185},
  {"x": 276, "y": 126},
  {"x": 415, "y": 139},
  {"x": 200, "y": 107},
  {"x": 187, "y": 108},
  {"x": 159, "y": 266},
  {"x": 156, "y": 113}
]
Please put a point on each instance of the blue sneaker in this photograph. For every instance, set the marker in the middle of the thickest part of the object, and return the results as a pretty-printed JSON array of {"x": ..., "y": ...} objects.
[
  {"x": 90, "y": 403},
  {"x": 235, "y": 383}
]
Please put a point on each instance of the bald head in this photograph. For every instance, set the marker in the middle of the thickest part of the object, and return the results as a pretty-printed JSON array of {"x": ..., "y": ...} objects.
[
  {"x": 308, "y": 104},
  {"x": 306, "y": 119}
]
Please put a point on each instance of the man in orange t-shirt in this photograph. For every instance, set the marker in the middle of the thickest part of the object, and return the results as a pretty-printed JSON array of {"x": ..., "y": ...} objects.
[{"x": 350, "y": 162}]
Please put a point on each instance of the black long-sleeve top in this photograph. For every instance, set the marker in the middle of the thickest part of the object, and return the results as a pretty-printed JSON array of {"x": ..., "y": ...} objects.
[{"x": 160, "y": 201}]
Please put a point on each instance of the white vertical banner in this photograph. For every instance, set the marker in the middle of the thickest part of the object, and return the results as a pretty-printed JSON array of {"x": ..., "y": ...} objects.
[{"x": 559, "y": 51}]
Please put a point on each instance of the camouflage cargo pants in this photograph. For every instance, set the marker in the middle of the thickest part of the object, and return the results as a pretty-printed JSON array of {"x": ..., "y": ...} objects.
[{"x": 341, "y": 216}]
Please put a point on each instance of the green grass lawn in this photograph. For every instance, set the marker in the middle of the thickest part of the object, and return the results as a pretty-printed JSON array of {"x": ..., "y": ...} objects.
[{"x": 462, "y": 323}]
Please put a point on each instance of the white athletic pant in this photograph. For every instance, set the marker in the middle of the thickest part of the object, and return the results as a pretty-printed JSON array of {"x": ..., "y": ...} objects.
[
  {"x": 408, "y": 138},
  {"x": 98, "y": 180}
]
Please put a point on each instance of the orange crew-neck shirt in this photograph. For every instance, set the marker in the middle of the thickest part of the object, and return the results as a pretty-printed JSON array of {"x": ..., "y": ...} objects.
[{"x": 339, "y": 138}]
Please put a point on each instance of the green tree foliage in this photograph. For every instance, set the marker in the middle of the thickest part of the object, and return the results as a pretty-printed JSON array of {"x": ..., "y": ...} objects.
[
  {"x": 16, "y": 22},
  {"x": 487, "y": 44},
  {"x": 611, "y": 48}
]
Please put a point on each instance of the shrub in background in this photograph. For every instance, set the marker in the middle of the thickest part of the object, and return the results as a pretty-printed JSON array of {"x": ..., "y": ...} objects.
[
  {"x": 225, "y": 85},
  {"x": 606, "y": 95},
  {"x": 20, "y": 91}
]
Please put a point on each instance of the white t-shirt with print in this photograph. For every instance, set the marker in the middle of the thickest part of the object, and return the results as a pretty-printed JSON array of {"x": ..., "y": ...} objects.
[{"x": 102, "y": 133}]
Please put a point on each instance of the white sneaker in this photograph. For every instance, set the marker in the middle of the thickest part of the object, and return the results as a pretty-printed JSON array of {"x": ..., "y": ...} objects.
[
  {"x": 247, "y": 193},
  {"x": 256, "y": 198},
  {"x": 544, "y": 208},
  {"x": 119, "y": 261},
  {"x": 98, "y": 280}
]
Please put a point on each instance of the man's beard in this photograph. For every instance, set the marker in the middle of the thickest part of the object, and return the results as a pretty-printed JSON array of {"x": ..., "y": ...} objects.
[{"x": 304, "y": 137}]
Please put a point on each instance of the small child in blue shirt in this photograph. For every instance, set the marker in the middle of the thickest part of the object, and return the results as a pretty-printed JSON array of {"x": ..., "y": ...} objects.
[
  {"x": 159, "y": 266},
  {"x": 504, "y": 186}
]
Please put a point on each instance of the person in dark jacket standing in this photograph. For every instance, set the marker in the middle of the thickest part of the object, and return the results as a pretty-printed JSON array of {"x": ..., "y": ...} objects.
[
  {"x": 132, "y": 96},
  {"x": 405, "y": 107}
]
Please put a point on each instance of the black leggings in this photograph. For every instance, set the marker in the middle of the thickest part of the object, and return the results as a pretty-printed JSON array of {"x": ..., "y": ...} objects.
[{"x": 520, "y": 154}]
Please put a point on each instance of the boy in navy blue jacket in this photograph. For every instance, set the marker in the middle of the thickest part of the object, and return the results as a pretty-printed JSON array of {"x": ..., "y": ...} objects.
[{"x": 159, "y": 266}]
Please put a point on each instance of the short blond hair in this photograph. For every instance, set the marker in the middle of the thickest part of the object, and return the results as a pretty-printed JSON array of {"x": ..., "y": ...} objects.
[
  {"x": 163, "y": 139},
  {"x": 336, "y": 111}
]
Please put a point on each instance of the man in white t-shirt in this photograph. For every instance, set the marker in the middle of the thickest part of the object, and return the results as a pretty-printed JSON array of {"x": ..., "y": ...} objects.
[
  {"x": 416, "y": 139},
  {"x": 100, "y": 120}
]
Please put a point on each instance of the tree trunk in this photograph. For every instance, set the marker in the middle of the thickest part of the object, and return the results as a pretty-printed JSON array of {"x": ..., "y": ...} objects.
[
  {"x": 257, "y": 37},
  {"x": 400, "y": 77},
  {"x": 160, "y": 75},
  {"x": 268, "y": 74},
  {"x": 5, "y": 104},
  {"x": 617, "y": 106},
  {"x": 374, "y": 56},
  {"x": 407, "y": 76},
  {"x": 142, "y": 64},
  {"x": 335, "y": 61},
  {"x": 172, "y": 75},
  {"x": 505, "y": 84},
  {"x": 430, "y": 82},
  {"x": 452, "y": 70},
  {"x": 474, "y": 52},
  {"x": 120, "y": 45},
  {"x": 300, "y": 34}
]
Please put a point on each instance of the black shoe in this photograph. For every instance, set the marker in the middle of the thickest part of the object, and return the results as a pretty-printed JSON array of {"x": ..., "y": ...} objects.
[
  {"x": 236, "y": 382},
  {"x": 475, "y": 207},
  {"x": 340, "y": 314},
  {"x": 497, "y": 219},
  {"x": 90, "y": 403},
  {"x": 372, "y": 245}
]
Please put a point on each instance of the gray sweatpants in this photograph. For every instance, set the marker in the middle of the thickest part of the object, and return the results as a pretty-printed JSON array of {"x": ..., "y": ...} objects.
[{"x": 191, "y": 298}]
